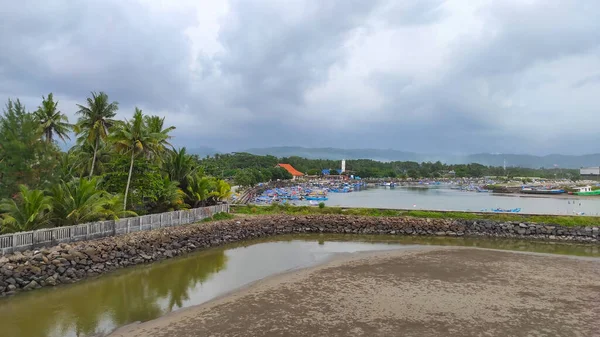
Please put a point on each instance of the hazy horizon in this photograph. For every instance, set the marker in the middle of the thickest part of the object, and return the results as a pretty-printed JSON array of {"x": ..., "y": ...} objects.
[{"x": 423, "y": 76}]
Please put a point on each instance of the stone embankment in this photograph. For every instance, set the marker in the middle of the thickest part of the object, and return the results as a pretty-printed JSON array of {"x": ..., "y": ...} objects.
[{"x": 67, "y": 263}]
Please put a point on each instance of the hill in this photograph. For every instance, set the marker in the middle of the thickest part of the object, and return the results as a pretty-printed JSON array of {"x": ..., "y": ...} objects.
[{"x": 488, "y": 159}]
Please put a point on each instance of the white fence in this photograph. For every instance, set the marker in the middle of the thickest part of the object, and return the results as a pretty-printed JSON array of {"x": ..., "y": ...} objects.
[{"x": 48, "y": 237}]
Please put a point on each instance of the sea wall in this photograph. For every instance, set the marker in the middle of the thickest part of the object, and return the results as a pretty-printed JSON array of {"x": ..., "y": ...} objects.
[{"x": 70, "y": 262}]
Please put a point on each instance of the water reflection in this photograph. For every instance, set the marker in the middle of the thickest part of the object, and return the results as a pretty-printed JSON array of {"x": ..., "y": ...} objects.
[
  {"x": 96, "y": 307},
  {"x": 100, "y": 305}
]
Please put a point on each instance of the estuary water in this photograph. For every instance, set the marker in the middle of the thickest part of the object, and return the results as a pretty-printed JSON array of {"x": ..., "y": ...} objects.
[
  {"x": 455, "y": 200},
  {"x": 97, "y": 306}
]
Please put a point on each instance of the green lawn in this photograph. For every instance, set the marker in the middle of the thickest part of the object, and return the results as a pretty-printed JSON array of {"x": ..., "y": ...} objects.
[{"x": 307, "y": 210}]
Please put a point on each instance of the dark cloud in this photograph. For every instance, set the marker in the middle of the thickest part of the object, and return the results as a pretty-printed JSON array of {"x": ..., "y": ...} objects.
[{"x": 416, "y": 75}]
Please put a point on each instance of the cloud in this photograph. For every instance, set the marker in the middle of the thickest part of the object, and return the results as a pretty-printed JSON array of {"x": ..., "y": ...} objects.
[{"x": 416, "y": 75}]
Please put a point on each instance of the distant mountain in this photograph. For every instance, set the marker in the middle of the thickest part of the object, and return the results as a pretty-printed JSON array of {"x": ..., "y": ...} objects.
[
  {"x": 488, "y": 159},
  {"x": 203, "y": 151}
]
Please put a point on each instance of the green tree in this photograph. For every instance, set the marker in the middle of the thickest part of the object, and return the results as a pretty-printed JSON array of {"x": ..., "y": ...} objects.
[
  {"x": 222, "y": 190},
  {"x": 169, "y": 197},
  {"x": 24, "y": 159},
  {"x": 199, "y": 190},
  {"x": 95, "y": 121},
  {"x": 179, "y": 166},
  {"x": 52, "y": 121},
  {"x": 30, "y": 210},
  {"x": 81, "y": 201},
  {"x": 134, "y": 138}
]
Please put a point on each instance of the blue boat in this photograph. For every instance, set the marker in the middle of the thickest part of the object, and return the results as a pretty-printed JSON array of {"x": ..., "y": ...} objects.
[
  {"x": 317, "y": 198},
  {"x": 502, "y": 210}
]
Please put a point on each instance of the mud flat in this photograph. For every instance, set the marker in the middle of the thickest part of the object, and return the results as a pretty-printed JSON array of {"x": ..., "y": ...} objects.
[{"x": 422, "y": 292}]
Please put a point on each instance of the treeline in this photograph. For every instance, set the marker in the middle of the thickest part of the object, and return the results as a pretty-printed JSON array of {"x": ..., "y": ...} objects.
[
  {"x": 244, "y": 169},
  {"x": 230, "y": 165},
  {"x": 116, "y": 168}
]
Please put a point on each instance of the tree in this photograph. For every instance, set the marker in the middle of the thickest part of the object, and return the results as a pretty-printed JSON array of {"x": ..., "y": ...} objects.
[
  {"x": 179, "y": 166},
  {"x": 30, "y": 210},
  {"x": 80, "y": 201},
  {"x": 134, "y": 138},
  {"x": 222, "y": 190},
  {"x": 95, "y": 121},
  {"x": 199, "y": 190},
  {"x": 24, "y": 159},
  {"x": 170, "y": 197},
  {"x": 52, "y": 121},
  {"x": 155, "y": 124}
]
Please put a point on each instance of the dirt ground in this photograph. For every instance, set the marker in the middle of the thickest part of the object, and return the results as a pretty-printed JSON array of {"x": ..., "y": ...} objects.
[{"x": 430, "y": 292}]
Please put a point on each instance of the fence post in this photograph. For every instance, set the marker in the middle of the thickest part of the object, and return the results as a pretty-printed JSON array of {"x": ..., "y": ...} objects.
[
  {"x": 14, "y": 243},
  {"x": 128, "y": 222},
  {"x": 160, "y": 221},
  {"x": 141, "y": 222}
]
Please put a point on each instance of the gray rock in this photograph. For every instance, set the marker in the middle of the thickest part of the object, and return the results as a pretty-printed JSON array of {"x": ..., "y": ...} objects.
[{"x": 31, "y": 285}]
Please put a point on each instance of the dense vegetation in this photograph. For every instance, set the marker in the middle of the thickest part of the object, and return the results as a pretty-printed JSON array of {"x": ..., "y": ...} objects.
[
  {"x": 306, "y": 210},
  {"x": 116, "y": 168},
  {"x": 237, "y": 164}
]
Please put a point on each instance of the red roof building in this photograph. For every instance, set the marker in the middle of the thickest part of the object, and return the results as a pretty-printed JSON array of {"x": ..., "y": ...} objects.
[{"x": 295, "y": 173}]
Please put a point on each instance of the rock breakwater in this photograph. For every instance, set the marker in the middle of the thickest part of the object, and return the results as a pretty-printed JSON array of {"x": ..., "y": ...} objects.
[{"x": 67, "y": 263}]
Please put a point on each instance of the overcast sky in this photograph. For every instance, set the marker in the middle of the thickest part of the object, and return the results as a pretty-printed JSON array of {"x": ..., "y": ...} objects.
[{"x": 459, "y": 76}]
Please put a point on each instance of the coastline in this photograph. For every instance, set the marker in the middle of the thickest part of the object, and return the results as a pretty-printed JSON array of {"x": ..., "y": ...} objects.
[
  {"x": 257, "y": 305},
  {"x": 68, "y": 263}
]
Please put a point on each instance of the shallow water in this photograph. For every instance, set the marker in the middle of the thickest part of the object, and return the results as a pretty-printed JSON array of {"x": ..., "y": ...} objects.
[
  {"x": 454, "y": 200},
  {"x": 98, "y": 306}
]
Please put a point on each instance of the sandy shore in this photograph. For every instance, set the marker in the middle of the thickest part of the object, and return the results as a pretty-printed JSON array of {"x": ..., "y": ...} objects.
[{"x": 426, "y": 292}]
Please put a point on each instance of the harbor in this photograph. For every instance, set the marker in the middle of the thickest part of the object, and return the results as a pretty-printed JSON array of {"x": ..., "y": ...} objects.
[{"x": 439, "y": 197}]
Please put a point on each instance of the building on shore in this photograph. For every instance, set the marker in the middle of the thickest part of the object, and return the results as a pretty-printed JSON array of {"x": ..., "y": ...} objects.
[
  {"x": 295, "y": 173},
  {"x": 591, "y": 173}
]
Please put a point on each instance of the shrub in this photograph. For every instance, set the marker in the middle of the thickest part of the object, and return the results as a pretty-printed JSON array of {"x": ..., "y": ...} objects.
[{"x": 321, "y": 205}]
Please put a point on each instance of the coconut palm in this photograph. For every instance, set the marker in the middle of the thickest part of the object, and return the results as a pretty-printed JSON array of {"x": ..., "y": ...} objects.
[
  {"x": 134, "y": 138},
  {"x": 83, "y": 155},
  {"x": 179, "y": 166},
  {"x": 155, "y": 125},
  {"x": 170, "y": 197},
  {"x": 52, "y": 121},
  {"x": 30, "y": 210},
  {"x": 199, "y": 189},
  {"x": 79, "y": 201},
  {"x": 222, "y": 190},
  {"x": 95, "y": 121}
]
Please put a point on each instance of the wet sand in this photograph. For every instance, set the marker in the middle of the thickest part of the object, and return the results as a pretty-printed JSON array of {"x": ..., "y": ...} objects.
[{"x": 425, "y": 292}]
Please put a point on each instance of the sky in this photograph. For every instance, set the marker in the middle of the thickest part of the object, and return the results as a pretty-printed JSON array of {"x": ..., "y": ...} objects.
[{"x": 433, "y": 76}]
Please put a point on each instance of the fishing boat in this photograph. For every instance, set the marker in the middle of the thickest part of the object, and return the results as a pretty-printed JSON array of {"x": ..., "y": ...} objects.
[
  {"x": 502, "y": 210},
  {"x": 587, "y": 190},
  {"x": 531, "y": 190},
  {"x": 317, "y": 198}
]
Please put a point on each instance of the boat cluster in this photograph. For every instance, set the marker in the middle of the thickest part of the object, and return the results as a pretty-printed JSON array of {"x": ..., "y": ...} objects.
[{"x": 313, "y": 192}]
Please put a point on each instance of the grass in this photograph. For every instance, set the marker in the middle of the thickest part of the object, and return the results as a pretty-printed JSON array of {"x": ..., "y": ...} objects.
[
  {"x": 219, "y": 216},
  {"x": 308, "y": 210}
]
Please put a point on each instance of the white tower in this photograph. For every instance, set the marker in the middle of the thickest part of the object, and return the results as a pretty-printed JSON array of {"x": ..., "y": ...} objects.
[{"x": 343, "y": 165}]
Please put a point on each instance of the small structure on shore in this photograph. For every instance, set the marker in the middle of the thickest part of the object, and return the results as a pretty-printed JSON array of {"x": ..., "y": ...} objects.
[{"x": 295, "y": 173}]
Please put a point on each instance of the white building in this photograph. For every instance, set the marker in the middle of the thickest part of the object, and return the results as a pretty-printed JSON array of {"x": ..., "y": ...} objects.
[
  {"x": 343, "y": 166},
  {"x": 590, "y": 171}
]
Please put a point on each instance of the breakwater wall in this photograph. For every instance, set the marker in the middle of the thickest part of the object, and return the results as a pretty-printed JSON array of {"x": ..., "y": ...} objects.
[
  {"x": 70, "y": 262},
  {"x": 20, "y": 241}
]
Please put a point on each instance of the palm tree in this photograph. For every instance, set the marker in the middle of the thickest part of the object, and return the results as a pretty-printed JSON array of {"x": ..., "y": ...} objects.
[
  {"x": 222, "y": 190},
  {"x": 155, "y": 125},
  {"x": 179, "y": 166},
  {"x": 199, "y": 189},
  {"x": 170, "y": 197},
  {"x": 79, "y": 201},
  {"x": 30, "y": 211},
  {"x": 52, "y": 121},
  {"x": 95, "y": 121},
  {"x": 134, "y": 137}
]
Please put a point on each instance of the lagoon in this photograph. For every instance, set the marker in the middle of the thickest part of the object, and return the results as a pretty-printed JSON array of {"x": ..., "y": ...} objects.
[
  {"x": 96, "y": 307},
  {"x": 435, "y": 198}
]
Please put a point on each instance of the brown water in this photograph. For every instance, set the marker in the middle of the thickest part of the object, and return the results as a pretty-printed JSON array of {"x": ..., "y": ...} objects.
[{"x": 96, "y": 307}]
